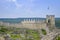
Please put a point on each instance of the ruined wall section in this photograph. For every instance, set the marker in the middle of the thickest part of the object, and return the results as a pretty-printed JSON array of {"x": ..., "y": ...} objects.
[
  {"x": 30, "y": 24},
  {"x": 17, "y": 25},
  {"x": 33, "y": 24}
]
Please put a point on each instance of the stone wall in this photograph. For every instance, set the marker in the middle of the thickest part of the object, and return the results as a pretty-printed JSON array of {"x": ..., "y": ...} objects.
[
  {"x": 34, "y": 24},
  {"x": 27, "y": 24}
]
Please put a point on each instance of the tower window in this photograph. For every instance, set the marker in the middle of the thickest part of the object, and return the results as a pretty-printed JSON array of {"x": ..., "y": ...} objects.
[{"x": 49, "y": 21}]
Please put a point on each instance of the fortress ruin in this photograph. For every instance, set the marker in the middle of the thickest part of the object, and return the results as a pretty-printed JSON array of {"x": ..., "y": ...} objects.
[
  {"x": 34, "y": 24},
  {"x": 48, "y": 25}
]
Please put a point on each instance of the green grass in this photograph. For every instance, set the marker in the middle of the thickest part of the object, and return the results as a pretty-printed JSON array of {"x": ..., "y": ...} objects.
[
  {"x": 3, "y": 30},
  {"x": 35, "y": 35},
  {"x": 58, "y": 38},
  {"x": 43, "y": 32},
  {"x": 15, "y": 36}
]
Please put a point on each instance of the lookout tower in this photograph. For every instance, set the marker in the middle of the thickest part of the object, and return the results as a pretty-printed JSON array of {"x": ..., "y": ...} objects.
[{"x": 50, "y": 21}]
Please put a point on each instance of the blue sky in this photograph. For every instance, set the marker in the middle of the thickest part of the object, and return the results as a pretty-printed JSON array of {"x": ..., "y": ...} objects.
[{"x": 29, "y": 8}]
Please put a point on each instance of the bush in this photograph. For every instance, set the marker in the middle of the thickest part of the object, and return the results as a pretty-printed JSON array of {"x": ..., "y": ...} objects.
[{"x": 44, "y": 31}]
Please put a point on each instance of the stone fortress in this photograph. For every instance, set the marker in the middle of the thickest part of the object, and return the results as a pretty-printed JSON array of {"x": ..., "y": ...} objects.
[
  {"x": 48, "y": 24},
  {"x": 34, "y": 24}
]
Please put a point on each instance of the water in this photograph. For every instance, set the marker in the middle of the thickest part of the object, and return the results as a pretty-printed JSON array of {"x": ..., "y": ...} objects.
[
  {"x": 57, "y": 22},
  {"x": 18, "y": 20}
]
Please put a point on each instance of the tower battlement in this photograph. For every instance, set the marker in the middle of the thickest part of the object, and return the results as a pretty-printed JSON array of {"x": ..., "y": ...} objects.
[{"x": 50, "y": 19}]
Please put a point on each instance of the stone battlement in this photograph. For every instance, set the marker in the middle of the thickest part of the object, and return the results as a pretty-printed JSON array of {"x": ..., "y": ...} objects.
[{"x": 33, "y": 23}]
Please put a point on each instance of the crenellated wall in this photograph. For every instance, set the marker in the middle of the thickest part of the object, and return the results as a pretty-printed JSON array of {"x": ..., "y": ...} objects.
[{"x": 32, "y": 23}]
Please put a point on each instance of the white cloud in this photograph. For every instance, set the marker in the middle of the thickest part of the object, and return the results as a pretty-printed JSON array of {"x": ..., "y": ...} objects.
[
  {"x": 14, "y": 0},
  {"x": 31, "y": 0},
  {"x": 28, "y": 3},
  {"x": 11, "y": 0},
  {"x": 16, "y": 3}
]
